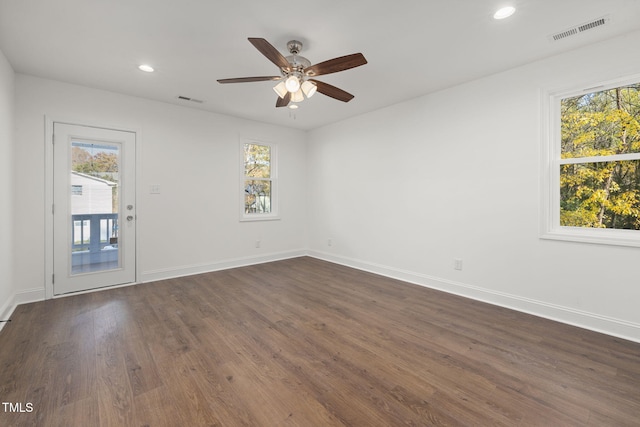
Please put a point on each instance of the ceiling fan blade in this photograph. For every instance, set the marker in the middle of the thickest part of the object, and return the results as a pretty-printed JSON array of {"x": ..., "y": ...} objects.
[
  {"x": 271, "y": 53},
  {"x": 332, "y": 91},
  {"x": 283, "y": 102},
  {"x": 250, "y": 79},
  {"x": 336, "y": 64}
]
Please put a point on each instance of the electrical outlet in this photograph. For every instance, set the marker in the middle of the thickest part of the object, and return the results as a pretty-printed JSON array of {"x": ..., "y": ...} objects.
[
  {"x": 257, "y": 243},
  {"x": 329, "y": 242},
  {"x": 457, "y": 263}
]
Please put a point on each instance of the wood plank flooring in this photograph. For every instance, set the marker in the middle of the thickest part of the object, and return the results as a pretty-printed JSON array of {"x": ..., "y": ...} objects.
[{"x": 303, "y": 342}]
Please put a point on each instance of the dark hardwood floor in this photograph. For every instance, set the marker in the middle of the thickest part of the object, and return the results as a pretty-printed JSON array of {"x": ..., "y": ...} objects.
[{"x": 303, "y": 342}]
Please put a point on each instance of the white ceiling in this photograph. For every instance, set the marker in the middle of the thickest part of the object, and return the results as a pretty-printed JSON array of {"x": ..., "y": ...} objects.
[{"x": 414, "y": 47}]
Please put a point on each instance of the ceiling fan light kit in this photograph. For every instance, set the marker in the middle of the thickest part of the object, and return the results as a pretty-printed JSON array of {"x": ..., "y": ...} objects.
[{"x": 295, "y": 83}]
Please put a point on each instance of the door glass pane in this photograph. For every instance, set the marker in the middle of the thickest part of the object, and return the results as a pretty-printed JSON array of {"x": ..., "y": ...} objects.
[{"x": 94, "y": 200}]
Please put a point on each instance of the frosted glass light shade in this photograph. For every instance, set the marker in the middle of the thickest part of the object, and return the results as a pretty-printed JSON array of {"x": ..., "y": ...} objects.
[
  {"x": 280, "y": 89},
  {"x": 297, "y": 96},
  {"x": 309, "y": 88},
  {"x": 292, "y": 83}
]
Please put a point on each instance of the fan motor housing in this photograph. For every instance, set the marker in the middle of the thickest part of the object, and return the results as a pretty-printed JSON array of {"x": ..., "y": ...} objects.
[{"x": 298, "y": 63}]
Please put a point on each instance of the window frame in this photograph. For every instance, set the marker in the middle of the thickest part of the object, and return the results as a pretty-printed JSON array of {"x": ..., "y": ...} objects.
[
  {"x": 273, "y": 178},
  {"x": 551, "y": 162}
]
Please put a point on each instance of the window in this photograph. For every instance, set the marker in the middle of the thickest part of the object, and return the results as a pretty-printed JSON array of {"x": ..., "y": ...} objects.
[
  {"x": 593, "y": 176},
  {"x": 259, "y": 181}
]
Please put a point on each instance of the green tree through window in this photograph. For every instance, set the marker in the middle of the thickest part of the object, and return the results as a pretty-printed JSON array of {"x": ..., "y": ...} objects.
[
  {"x": 600, "y": 159},
  {"x": 258, "y": 178}
]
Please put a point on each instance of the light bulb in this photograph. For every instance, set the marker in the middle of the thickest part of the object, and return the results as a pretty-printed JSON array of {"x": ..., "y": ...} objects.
[{"x": 292, "y": 83}]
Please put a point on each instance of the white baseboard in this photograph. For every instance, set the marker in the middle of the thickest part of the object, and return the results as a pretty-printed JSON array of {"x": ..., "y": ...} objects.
[
  {"x": 30, "y": 295},
  {"x": 24, "y": 297},
  {"x": 591, "y": 321},
  {"x": 189, "y": 270},
  {"x": 6, "y": 310}
]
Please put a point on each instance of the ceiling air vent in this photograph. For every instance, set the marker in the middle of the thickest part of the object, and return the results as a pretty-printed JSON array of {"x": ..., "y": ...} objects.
[
  {"x": 580, "y": 29},
  {"x": 186, "y": 98},
  {"x": 565, "y": 34},
  {"x": 592, "y": 24}
]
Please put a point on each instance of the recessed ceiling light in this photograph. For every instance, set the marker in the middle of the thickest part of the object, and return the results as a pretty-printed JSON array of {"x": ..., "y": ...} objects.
[
  {"x": 146, "y": 68},
  {"x": 505, "y": 12}
]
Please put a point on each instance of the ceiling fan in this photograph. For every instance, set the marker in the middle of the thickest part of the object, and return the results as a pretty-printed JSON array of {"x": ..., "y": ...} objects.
[{"x": 295, "y": 81}]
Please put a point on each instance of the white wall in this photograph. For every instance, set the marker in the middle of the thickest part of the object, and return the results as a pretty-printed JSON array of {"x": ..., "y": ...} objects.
[
  {"x": 7, "y": 90},
  {"x": 456, "y": 174},
  {"x": 193, "y": 224}
]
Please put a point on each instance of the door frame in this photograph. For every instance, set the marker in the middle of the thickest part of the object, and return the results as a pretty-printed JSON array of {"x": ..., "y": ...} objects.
[{"x": 48, "y": 202}]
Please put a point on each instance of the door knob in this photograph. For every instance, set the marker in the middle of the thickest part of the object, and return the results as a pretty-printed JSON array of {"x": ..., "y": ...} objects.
[{"x": 129, "y": 217}]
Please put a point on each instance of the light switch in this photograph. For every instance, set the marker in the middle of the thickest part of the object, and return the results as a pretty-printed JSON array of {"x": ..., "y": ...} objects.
[{"x": 155, "y": 189}]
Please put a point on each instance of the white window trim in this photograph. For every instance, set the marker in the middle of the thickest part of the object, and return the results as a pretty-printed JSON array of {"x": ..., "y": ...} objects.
[
  {"x": 550, "y": 162},
  {"x": 274, "y": 214}
]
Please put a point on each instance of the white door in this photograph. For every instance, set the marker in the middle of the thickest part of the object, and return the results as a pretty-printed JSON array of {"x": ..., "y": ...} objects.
[{"x": 94, "y": 219}]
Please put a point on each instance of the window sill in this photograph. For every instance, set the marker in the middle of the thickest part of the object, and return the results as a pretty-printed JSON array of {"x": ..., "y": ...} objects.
[
  {"x": 259, "y": 217},
  {"x": 594, "y": 236}
]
